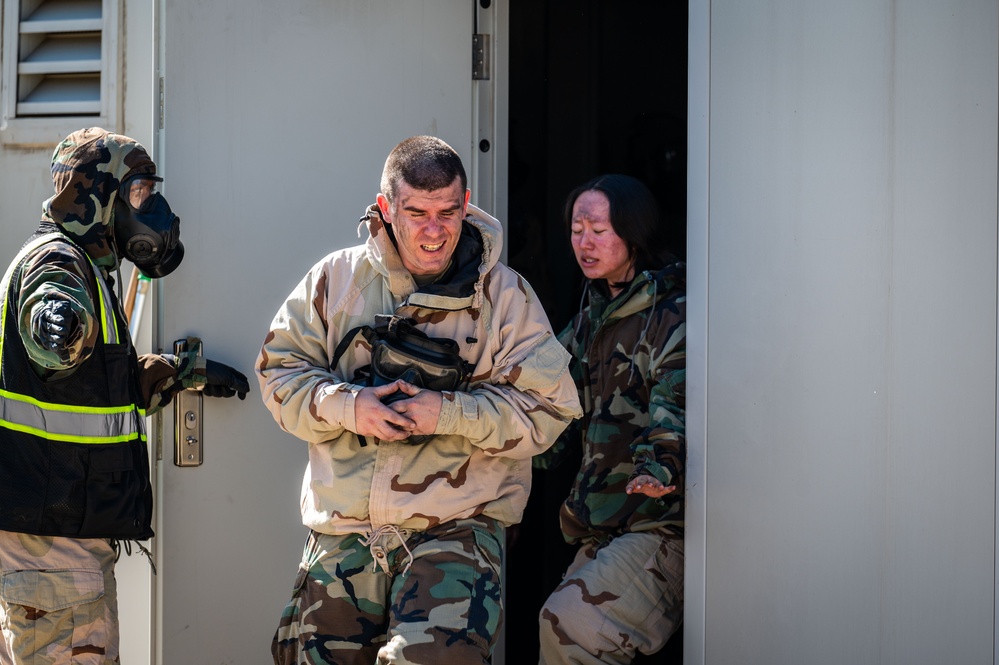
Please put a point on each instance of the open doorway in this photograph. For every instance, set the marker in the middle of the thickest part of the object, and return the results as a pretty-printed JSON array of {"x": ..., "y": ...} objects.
[{"x": 595, "y": 87}]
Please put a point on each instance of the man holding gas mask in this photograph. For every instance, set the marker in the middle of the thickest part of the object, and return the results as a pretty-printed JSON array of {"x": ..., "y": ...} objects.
[
  {"x": 74, "y": 468},
  {"x": 411, "y": 481}
]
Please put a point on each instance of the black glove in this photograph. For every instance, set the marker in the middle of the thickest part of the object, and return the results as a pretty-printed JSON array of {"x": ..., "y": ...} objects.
[
  {"x": 224, "y": 381},
  {"x": 58, "y": 324}
]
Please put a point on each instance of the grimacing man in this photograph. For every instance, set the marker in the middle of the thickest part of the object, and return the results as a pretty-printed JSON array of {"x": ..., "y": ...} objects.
[
  {"x": 74, "y": 468},
  {"x": 407, "y": 501}
]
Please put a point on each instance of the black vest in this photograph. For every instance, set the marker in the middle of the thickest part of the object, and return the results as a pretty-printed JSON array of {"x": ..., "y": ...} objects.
[{"x": 73, "y": 458}]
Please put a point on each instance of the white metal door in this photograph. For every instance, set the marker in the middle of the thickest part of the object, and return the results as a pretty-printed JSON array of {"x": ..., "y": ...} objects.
[{"x": 277, "y": 118}]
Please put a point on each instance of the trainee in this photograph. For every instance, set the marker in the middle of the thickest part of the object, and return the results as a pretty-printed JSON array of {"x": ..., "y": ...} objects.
[
  {"x": 623, "y": 592},
  {"x": 409, "y": 489}
]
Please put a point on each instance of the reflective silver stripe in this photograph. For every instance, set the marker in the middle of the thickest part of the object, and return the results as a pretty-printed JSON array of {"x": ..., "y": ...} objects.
[{"x": 76, "y": 424}]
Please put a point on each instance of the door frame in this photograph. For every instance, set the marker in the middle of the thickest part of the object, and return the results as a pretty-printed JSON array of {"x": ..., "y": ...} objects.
[{"x": 698, "y": 226}]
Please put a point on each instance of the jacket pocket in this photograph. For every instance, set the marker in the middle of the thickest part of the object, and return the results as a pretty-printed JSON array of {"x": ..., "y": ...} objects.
[
  {"x": 542, "y": 366},
  {"x": 666, "y": 563}
]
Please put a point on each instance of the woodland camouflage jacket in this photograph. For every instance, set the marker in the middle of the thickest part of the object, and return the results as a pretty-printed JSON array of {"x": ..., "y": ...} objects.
[
  {"x": 630, "y": 367},
  {"x": 519, "y": 400}
]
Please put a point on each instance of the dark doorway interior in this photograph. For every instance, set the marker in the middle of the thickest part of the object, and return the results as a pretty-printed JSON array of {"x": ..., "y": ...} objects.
[{"x": 596, "y": 86}]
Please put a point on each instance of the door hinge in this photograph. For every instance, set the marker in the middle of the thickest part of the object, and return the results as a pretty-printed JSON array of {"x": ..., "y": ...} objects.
[{"x": 480, "y": 57}]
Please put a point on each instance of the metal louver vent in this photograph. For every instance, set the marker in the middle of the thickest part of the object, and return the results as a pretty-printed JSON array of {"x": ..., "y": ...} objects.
[{"x": 59, "y": 63}]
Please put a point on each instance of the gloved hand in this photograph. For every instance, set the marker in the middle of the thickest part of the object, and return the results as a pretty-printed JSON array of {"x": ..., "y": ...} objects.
[
  {"x": 58, "y": 324},
  {"x": 224, "y": 381}
]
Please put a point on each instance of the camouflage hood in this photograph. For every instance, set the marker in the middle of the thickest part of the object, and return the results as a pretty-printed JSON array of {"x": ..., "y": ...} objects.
[{"x": 87, "y": 168}]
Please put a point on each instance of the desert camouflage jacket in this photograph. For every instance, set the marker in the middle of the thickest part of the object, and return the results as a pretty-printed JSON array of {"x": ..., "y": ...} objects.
[
  {"x": 519, "y": 400},
  {"x": 87, "y": 169},
  {"x": 629, "y": 363}
]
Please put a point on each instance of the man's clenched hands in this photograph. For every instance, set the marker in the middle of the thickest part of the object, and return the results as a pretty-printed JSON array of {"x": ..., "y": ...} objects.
[
  {"x": 374, "y": 419},
  {"x": 416, "y": 414}
]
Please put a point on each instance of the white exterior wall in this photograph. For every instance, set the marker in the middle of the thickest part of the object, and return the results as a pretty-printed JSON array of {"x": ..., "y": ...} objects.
[
  {"x": 843, "y": 233},
  {"x": 24, "y": 184}
]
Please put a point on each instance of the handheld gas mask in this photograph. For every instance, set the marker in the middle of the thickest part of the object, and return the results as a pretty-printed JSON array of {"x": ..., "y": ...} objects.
[
  {"x": 146, "y": 231},
  {"x": 400, "y": 350}
]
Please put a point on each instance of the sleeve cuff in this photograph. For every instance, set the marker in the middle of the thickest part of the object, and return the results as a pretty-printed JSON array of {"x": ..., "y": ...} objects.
[
  {"x": 456, "y": 407},
  {"x": 335, "y": 405},
  {"x": 654, "y": 469},
  {"x": 190, "y": 365}
]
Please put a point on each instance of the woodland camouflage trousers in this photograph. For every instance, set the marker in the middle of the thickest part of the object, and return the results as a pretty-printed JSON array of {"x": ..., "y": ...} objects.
[{"x": 395, "y": 596}]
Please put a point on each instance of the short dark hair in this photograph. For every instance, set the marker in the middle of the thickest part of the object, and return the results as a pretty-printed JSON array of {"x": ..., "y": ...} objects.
[
  {"x": 425, "y": 163},
  {"x": 634, "y": 215}
]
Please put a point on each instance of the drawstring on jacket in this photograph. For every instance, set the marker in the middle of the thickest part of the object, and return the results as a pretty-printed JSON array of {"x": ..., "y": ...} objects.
[{"x": 373, "y": 539}]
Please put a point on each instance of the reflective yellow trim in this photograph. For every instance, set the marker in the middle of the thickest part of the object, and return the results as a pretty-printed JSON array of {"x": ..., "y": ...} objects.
[
  {"x": 104, "y": 314},
  {"x": 3, "y": 320},
  {"x": 71, "y": 438},
  {"x": 108, "y": 323},
  {"x": 52, "y": 406},
  {"x": 67, "y": 422}
]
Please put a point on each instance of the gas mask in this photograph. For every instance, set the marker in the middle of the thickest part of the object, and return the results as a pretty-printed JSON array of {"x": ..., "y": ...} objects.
[{"x": 146, "y": 231}]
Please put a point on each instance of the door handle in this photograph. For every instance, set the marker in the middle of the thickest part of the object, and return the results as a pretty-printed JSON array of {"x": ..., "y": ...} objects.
[{"x": 188, "y": 447}]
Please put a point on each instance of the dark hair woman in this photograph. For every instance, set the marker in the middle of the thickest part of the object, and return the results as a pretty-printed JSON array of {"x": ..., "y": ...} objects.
[{"x": 625, "y": 509}]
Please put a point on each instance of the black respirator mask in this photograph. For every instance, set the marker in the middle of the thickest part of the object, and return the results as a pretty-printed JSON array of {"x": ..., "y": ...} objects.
[{"x": 146, "y": 231}]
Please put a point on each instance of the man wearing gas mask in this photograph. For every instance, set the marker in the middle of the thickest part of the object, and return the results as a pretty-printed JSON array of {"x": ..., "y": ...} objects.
[{"x": 74, "y": 468}]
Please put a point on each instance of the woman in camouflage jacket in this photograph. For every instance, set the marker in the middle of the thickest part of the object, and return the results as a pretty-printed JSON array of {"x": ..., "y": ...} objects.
[{"x": 623, "y": 593}]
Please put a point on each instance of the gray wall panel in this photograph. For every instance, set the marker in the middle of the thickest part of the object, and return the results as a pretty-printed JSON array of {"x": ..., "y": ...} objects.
[
  {"x": 938, "y": 583},
  {"x": 851, "y": 342}
]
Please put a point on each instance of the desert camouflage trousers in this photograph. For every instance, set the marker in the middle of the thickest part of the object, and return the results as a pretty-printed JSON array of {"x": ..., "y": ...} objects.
[
  {"x": 614, "y": 601},
  {"x": 58, "y": 601},
  {"x": 395, "y": 596}
]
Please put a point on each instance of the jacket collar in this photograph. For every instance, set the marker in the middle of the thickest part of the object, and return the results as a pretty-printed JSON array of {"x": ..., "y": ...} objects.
[{"x": 477, "y": 253}]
